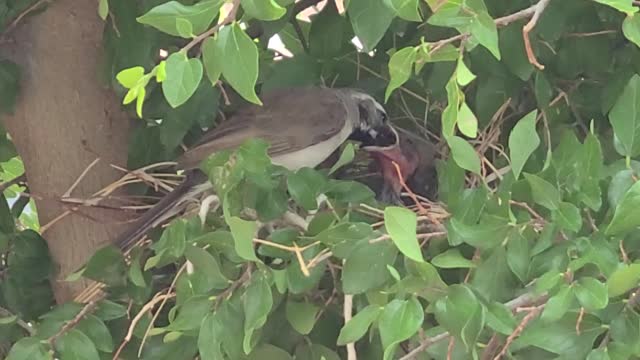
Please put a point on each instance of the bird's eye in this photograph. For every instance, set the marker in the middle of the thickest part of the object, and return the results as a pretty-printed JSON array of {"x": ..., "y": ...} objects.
[{"x": 383, "y": 116}]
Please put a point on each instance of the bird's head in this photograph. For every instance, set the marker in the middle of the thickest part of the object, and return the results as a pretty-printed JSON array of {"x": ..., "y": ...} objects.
[
  {"x": 415, "y": 162},
  {"x": 372, "y": 122}
]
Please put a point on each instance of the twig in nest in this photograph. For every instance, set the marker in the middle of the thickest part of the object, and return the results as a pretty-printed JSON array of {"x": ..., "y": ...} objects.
[
  {"x": 146, "y": 308},
  {"x": 421, "y": 209}
]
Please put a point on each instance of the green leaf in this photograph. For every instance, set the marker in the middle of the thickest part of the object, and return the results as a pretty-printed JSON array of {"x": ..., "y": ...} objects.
[
  {"x": 626, "y": 217},
  {"x": 365, "y": 267},
  {"x": 205, "y": 263},
  {"x": 568, "y": 216},
  {"x": 301, "y": 316},
  {"x": 620, "y": 5},
  {"x": 461, "y": 313},
  {"x": 400, "y": 67},
  {"x": 489, "y": 233},
  {"x": 467, "y": 121},
  {"x": 210, "y": 337},
  {"x": 97, "y": 331},
  {"x": 623, "y": 279},
  {"x": 631, "y": 29},
  {"x": 401, "y": 224},
  {"x": 212, "y": 59},
  {"x": 599, "y": 354},
  {"x": 305, "y": 185},
  {"x": 267, "y": 10},
  {"x": 106, "y": 265},
  {"x": 103, "y": 9},
  {"x": 483, "y": 29},
  {"x": 108, "y": 310},
  {"x": 558, "y": 305},
  {"x": 450, "y": 113},
  {"x": 269, "y": 352},
  {"x": 518, "y": 255},
  {"x": 500, "y": 318},
  {"x": 183, "y": 78},
  {"x": 543, "y": 192},
  {"x": 370, "y": 20},
  {"x": 184, "y": 27},
  {"x": 327, "y": 36},
  {"x": 464, "y": 154},
  {"x": 130, "y": 77},
  {"x": 591, "y": 293},
  {"x": 452, "y": 259},
  {"x": 523, "y": 140},
  {"x": 464, "y": 76},
  {"x": 625, "y": 118},
  {"x": 346, "y": 156},
  {"x": 353, "y": 330},
  {"x": 257, "y": 302},
  {"x": 76, "y": 345},
  {"x": 29, "y": 348},
  {"x": 191, "y": 313},
  {"x": 405, "y": 9},
  {"x": 240, "y": 65},
  {"x": 399, "y": 320},
  {"x": 164, "y": 17},
  {"x": 243, "y": 232}
]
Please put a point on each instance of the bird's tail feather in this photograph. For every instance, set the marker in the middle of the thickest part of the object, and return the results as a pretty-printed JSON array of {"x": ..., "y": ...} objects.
[{"x": 165, "y": 208}]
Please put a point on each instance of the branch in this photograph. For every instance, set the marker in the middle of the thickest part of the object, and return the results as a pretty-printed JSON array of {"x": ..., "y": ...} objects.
[
  {"x": 502, "y": 21},
  {"x": 520, "y": 301},
  {"x": 539, "y": 8},
  {"x": 235, "y": 5},
  {"x": 87, "y": 309}
]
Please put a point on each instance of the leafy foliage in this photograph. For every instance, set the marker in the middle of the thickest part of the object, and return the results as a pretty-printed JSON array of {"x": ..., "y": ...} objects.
[{"x": 530, "y": 250}]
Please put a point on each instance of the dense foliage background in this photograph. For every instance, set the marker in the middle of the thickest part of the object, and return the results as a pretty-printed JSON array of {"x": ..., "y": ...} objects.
[{"x": 529, "y": 252}]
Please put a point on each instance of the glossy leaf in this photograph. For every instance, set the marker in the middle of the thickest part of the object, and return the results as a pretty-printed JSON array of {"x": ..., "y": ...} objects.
[
  {"x": 568, "y": 216},
  {"x": 267, "y": 10},
  {"x": 452, "y": 259},
  {"x": 523, "y": 141},
  {"x": 399, "y": 320},
  {"x": 464, "y": 154},
  {"x": 623, "y": 279},
  {"x": 621, "y": 5},
  {"x": 484, "y": 30},
  {"x": 76, "y": 345},
  {"x": 240, "y": 65},
  {"x": 544, "y": 193},
  {"x": 625, "y": 118},
  {"x": 365, "y": 267},
  {"x": 357, "y": 327},
  {"x": 625, "y": 217},
  {"x": 370, "y": 20},
  {"x": 401, "y": 224},
  {"x": 400, "y": 67},
  {"x": 558, "y": 304},
  {"x": 301, "y": 316},
  {"x": 212, "y": 59},
  {"x": 631, "y": 29},
  {"x": 183, "y": 78},
  {"x": 243, "y": 232},
  {"x": 164, "y": 17},
  {"x": 591, "y": 293},
  {"x": 29, "y": 348},
  {"x": 467, "y": 121},
  {"x": 257, "y": 305}
]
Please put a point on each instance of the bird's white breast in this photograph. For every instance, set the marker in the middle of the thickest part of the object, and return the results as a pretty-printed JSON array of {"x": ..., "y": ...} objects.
[{"x": 312, "y": 156}]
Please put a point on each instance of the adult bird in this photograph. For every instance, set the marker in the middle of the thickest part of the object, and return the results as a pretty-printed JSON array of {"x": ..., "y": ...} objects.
[{"x": 302, "y": 126}]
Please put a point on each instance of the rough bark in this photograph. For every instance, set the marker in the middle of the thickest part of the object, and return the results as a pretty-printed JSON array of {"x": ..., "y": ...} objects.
[{"x": 63, "y": 121}]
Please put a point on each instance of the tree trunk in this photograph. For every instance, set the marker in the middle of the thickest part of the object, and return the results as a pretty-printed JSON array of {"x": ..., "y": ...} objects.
[{"x": 63, "y": 121}]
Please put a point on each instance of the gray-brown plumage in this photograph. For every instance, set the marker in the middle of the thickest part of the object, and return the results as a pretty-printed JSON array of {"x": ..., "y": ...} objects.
[{"x": 302, "y": 125}]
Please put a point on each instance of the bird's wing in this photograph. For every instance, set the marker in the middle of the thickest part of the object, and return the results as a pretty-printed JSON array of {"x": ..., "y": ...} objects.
[{"x": 289, "y": 120}]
